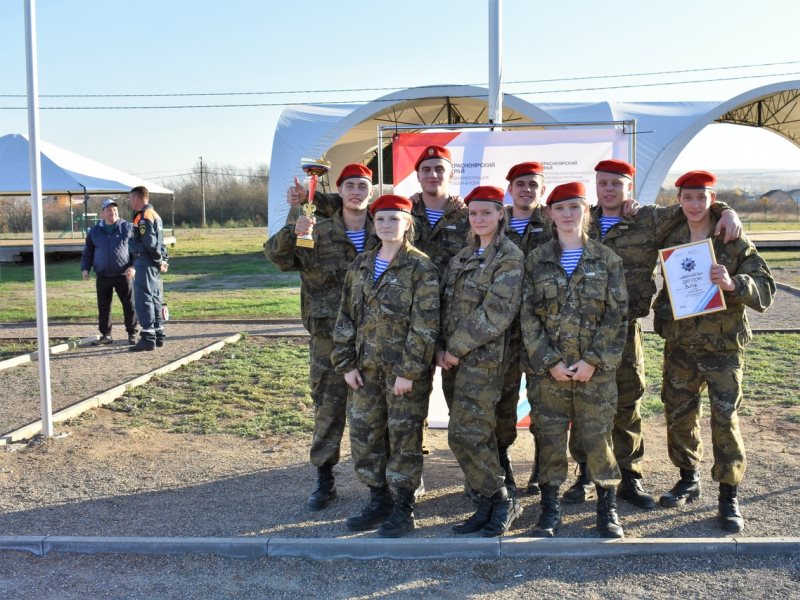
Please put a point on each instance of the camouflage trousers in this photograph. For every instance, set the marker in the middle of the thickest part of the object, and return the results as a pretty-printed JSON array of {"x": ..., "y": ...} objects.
[
  {"x": 590, "y": 407},
  {"x": 687, "y": 371},
  {"x": 377, "y": 416},
  {"x": 329, "y": 392},
  {"x": 627, "y": 436},
  {"x": 475, "y": 392}
]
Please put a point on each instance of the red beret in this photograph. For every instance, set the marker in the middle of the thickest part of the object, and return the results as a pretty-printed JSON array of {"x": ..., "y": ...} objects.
[
  {"x": 526, "y": 168},
  {"x": 433, "y": 152},
  {"x": 696, "y": 180},
  {"x": 567, "y": 191},
  {"x": 354, "y": 170},
  {"x": 390, "y": 202},
  {"x": 618, "y": 167},
  {"x": 485, "y": 192}
]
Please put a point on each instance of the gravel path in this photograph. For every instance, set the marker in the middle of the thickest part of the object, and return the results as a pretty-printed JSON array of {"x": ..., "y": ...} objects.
[
  {"x": 107, "y": 479},
  {"x": 86, "y": 371}
]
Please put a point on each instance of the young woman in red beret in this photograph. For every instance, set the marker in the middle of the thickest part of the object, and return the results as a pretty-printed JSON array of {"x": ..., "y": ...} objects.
[
  {"x": 481, "y": 293},
  {"x": 573, "y": 326},
  {"x": 384, "y": 343}
]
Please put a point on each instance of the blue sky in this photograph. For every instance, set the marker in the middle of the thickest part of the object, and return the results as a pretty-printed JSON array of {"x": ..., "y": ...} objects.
[{"x": 182, "y": 47}]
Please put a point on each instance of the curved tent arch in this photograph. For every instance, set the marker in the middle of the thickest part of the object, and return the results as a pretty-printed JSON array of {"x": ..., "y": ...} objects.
[
  {"x": 744, "y": 109},
  {"x": 347, "y": 133}
]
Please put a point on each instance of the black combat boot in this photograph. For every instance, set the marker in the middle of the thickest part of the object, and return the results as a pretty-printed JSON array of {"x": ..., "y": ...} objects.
[
  {"x": 550, "y": 519},
  {"x": 686, "y": 490},
  {"x": 607, "y": 519},
  {"x": 583, "y": 488},
  {"x": 325, "y": 491},
  {"x": 730, "y": 518},
  {"x": 376, "y": 512},
  {"x": 533, "y": 482},
  {"x": 505, "y": 509},
  {"x": 630, "y": 489},
  {"x": 478, "y": 520},
  {"x": 505, "y": 462},
  {"x": 401, "y": 521}
]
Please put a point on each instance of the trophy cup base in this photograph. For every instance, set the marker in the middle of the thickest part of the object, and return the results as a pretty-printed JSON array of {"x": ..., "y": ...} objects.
[{"x": 304, "y": 243}]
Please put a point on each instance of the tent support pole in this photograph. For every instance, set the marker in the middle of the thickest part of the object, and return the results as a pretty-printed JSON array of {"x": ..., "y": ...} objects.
[
  {"x": 495, "y": 63},
  {"x": 71, "y": 217},
  {"x": 36, "y": 212}
]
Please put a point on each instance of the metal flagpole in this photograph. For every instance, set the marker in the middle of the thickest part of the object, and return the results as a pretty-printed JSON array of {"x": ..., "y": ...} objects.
[
  {"x": 36, "y": 214},
  {"x": 495, "y": 62}
]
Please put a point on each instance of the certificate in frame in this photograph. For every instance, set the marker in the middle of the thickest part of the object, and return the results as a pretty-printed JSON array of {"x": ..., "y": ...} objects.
[{"x": 687, "y": 275}]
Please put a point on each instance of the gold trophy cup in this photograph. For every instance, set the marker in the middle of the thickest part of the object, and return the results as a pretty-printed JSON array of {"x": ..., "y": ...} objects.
[{"x": 314, "y": 169}]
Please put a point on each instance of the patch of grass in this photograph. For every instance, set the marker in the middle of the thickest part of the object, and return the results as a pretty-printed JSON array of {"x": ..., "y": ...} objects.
[
  {"x": 254, "y": 388},
  {"x": 755, "y": 225},
  {"x": 781, "y": 258},
  {"x": 9, "y": 348},
  {"x": 770, "y": 377},
  {"x": 214, "y": 273}
]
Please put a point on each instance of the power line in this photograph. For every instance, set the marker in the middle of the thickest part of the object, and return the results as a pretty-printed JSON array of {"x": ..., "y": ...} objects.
[
  {"x": 394, "y": 100},
  {"x": 378, "y": 89}
]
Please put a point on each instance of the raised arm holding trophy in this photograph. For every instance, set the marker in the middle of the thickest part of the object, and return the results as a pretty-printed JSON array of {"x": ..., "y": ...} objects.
[{"x": 314, "y": 169}]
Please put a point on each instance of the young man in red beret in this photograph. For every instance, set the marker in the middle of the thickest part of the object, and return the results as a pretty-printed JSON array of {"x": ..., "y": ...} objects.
[
  {"x": 707, "y": 351},
  {"x": 337, "y": 242},
  {"x": 636, "y": 240}
]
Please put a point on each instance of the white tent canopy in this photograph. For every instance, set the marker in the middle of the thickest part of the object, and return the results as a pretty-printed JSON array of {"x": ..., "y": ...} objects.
[
  {"x": 63, "y": 172},
  {"x": 348, "y": 133}
]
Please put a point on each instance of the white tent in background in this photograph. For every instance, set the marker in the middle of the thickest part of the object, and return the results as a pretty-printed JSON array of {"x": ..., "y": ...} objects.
[
  {"x": 347, "y": 133},
  {"x": 63, "y": 172}
]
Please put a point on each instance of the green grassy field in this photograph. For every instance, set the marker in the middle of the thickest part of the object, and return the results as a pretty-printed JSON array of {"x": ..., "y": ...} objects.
[
  {"x": 214, "y": 273},
  {"x": 253, "y": 388},
  {"x": 259, "y": 387}
]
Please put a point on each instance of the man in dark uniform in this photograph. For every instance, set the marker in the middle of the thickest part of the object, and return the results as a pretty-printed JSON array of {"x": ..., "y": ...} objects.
[
  {"x": 106, "y": 251},
  {"x": 148, "y": 255}
]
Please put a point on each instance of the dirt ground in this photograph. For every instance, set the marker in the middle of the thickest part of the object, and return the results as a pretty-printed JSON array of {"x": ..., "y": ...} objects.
[{"x": 107, "y": 479}]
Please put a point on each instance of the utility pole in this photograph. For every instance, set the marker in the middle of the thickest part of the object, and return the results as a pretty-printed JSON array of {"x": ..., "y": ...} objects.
[{"x": 203, "y": 191}]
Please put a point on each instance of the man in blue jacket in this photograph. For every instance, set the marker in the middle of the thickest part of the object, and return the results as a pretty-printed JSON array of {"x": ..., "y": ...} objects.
[{"x": 106, "y": 251}]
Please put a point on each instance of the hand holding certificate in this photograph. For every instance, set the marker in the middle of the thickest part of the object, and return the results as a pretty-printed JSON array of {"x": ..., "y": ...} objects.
[{"x": 687, "y": 275}]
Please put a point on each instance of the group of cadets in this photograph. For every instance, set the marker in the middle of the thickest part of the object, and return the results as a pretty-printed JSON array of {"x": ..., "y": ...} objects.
[{"x": 488, "y": 291}]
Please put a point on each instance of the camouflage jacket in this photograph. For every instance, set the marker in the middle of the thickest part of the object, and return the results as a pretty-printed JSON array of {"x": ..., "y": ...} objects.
[
  {"x": 391, "y": 324},
  {"x": 445, "y": 239},
  {"x": 322, "y": 268},
  {"x": 581, "y": 317},
  {"x": 538, "y": 231},
  {"x": 481, "y": 296},
  {"x": 727, "y": 329},
  {"x": 636, "y": 241}
]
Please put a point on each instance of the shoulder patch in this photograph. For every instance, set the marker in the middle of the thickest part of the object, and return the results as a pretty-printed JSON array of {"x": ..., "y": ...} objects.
[{"x": 142, "y": 229}]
